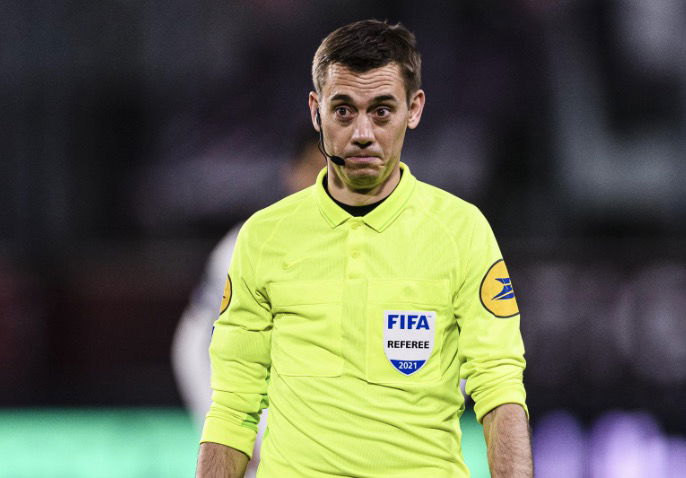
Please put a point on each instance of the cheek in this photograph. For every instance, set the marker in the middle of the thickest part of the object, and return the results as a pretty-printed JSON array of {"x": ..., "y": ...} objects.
[
  {"x": 337, "y": 135},
  {"x": 391, "y": 136},
  {"x": 398, "y": 135}
]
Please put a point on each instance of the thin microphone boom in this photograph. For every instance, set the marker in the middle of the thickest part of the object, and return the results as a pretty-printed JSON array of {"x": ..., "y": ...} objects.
[{"x": 336, "y": 159}]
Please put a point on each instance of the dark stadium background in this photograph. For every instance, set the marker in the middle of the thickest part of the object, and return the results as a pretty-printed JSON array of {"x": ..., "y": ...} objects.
[{"x": 135, "y": 134}]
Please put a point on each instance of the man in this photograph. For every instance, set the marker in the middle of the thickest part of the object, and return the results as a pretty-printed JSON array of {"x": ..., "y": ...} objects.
[
  {"x": 354, "y": 306},
  {"x": 192, "y": 337}
]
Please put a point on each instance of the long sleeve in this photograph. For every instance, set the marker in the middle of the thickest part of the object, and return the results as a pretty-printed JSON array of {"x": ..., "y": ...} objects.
[
  {"x": 192, "y": 337},
  {"x": 490, "y": 347},
  {"x": 240, "y": 353}
]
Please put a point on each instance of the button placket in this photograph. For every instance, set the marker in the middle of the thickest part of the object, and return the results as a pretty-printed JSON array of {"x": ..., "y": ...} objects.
[{"x": 354, "y": 249}]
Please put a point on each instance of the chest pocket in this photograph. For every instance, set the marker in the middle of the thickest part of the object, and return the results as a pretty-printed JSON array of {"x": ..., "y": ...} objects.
[
  {"x": 306, "y": 338},
  {"x": 406, "y": 322}
]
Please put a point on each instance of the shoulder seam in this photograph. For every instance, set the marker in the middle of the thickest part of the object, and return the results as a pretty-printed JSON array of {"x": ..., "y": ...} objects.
[
  {"x": 471, "y": 240},
  {"x": 447, "y": 233},
  {"x": 273, "y": 232}
]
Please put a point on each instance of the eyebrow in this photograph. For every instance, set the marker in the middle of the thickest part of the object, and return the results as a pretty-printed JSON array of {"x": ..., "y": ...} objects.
[{"x": 375, "y": 100}]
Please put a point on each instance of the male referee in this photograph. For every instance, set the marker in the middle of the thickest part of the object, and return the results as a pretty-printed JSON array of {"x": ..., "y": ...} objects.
[{"x": 354, "y": 307}]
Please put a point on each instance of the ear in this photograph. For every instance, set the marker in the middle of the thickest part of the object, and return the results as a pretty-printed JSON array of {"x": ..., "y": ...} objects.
[
  {"x": 313, "y": 103},
  {"x": 415, "y": 109}
]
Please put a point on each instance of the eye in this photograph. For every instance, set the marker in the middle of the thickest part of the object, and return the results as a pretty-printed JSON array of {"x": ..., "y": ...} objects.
[
  {"x": 383, "y": 112},
  {"x": 342, "y": 112}
]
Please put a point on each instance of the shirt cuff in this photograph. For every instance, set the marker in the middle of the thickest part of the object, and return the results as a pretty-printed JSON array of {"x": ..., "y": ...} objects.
[
  {"x": 490, "y": 400},
  {"x": 224, "y": 432}
]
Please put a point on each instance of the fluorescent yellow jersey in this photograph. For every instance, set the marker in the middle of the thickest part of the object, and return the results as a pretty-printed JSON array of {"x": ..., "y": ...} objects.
[{"x": 355, "y": 331}]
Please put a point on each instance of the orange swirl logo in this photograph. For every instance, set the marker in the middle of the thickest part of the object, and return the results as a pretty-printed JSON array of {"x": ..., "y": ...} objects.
[{"x": 226, "y": 299}]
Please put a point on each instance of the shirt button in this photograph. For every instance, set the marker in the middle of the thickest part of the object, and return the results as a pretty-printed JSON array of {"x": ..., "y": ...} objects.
[
  {"x": 355, "y": 254},
  {"x": 356, "y": 225}
]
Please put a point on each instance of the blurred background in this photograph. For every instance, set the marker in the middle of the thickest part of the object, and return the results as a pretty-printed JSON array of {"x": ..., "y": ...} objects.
[{"x": 136, "y": 134}]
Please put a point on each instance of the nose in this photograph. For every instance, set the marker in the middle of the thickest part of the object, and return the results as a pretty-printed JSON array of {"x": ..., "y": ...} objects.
[{"x": 363, "y": 132}]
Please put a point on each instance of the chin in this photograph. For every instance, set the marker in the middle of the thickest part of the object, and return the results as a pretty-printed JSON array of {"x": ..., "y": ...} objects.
[{"x": 368, "y": 177}]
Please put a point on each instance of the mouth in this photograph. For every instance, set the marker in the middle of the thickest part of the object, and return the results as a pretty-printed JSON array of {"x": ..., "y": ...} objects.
[{"x": 361, "y": 158}]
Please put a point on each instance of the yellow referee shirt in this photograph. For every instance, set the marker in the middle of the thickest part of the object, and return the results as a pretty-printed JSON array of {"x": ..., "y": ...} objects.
[{"x": 355, "y": 331}]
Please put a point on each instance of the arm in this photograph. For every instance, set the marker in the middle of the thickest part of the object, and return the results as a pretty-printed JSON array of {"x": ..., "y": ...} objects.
[
  {"x": 240, "y": 360},
  {"x": 220, "y": 461},
  {"x": 506, "y": 430},
  {"x": 492, "y": 354}
]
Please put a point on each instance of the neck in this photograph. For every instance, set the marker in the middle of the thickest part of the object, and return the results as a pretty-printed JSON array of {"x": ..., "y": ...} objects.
[{"x": 352, "y": 196}]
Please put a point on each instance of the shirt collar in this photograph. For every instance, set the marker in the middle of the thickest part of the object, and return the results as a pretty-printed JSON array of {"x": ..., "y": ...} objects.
[{"x": 378, "y": 219}]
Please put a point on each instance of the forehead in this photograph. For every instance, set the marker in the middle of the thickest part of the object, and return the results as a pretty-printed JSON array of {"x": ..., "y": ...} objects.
[{"x": 386, "y": 80}]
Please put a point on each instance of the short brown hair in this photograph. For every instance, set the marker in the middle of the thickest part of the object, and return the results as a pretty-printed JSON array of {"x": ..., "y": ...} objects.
[{"x": 367, "y": 44}]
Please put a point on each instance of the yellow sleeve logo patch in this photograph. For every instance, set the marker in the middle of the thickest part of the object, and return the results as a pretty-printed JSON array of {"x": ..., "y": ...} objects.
[
  {"x": 496, "y": 293},
  {"x": 226, "y": 299}
]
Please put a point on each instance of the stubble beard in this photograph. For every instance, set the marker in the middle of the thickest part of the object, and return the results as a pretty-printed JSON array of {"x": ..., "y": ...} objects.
[{"x": 365, "y": 178}]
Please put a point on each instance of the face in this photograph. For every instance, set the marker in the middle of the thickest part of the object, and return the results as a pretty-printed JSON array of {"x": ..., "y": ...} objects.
[{"x": 364, "y": 117}]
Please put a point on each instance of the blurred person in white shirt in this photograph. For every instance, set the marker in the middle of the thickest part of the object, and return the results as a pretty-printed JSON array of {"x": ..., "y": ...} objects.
[{"x": 190, "y": 357}]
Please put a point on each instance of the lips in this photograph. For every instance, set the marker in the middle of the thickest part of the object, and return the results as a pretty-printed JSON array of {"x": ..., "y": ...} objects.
[{"x": 362, "y": 158}]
